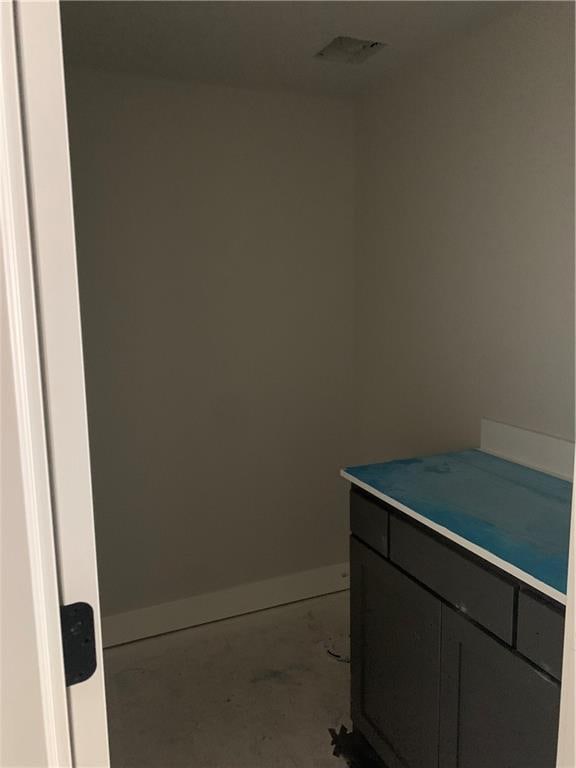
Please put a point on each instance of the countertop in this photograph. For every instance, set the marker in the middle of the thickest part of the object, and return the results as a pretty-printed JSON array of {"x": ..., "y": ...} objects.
[{"x": 514, "y": 517}]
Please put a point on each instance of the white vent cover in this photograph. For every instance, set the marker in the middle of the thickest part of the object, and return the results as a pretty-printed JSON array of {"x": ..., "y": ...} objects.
[{"x": 349, "y": 50}]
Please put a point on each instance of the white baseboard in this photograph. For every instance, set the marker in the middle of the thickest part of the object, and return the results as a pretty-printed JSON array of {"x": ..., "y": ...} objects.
[
  {"x": 533, "y": 449},
  {"x": 202, "y": 609}
]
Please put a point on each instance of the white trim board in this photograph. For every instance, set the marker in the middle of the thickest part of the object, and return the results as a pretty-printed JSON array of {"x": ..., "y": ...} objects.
[
  {"x": 474, "y": 548},
  {"x": 26, "y": 486},
  {"x": 536, "y": 450},
  {"x": 202, "y": 609}
]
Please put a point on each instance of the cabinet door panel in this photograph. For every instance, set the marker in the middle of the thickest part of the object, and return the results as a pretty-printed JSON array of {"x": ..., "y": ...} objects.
[
  {"x": 395, "y": 661},
  {"x": 497, "y": 710}
]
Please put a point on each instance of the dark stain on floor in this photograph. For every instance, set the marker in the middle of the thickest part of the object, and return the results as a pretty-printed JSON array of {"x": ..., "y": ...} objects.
[{"x": 286, "y": 675}]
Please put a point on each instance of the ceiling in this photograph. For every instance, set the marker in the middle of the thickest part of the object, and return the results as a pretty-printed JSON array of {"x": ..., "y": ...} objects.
[{"x": 263, "y": 44}]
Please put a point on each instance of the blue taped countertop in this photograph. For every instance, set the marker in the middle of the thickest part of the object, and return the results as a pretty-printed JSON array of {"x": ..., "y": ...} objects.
[{"x": 516, "y": 517}]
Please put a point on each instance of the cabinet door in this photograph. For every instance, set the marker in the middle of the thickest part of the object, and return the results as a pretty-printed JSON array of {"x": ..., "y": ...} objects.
[
  {"x": 395, "y": 626},
  {"x": 497, "y": 710}
]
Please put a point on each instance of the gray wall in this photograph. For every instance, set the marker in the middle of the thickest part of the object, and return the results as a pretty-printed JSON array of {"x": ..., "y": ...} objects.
[
  {"x": 465, "y": 271},
  {"x": 215, "y": 249}
]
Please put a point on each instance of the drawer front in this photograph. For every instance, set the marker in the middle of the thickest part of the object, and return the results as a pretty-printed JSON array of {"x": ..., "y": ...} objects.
[
  {"x": 540, "y": 632},
  {"x": 369, "y": 521},
  {"x": 472, "y": 589}
]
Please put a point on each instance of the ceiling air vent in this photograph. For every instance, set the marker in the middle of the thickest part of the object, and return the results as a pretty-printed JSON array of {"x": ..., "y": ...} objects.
[{"x": 349, "y": 50}]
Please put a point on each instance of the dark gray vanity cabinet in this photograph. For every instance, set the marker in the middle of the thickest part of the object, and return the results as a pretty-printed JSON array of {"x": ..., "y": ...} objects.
[{"x": 454, "y": 664}]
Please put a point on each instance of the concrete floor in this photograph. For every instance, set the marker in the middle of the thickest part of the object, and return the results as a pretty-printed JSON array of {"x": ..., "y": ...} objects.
[{"x": 257, "y": 691}]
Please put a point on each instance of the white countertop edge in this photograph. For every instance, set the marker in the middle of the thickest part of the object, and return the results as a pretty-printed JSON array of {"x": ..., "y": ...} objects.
[{"x": 503, "y": 565}]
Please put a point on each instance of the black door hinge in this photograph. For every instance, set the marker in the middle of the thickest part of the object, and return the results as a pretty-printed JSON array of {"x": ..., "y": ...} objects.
[{"x": 78, "y": 642}]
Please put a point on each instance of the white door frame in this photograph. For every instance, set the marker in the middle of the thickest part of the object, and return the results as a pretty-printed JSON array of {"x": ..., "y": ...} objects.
[
  {"x": 21, "y": 363},
  {"x": 566, "y": 755},
  {"x": 49, "y": 228}
]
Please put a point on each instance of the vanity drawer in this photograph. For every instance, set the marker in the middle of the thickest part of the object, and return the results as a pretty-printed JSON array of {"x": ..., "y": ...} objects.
[
  {"x": 457, "y": 577},
  {"x": 369, "y": 520},
  {"x": 540, "y": 632}
]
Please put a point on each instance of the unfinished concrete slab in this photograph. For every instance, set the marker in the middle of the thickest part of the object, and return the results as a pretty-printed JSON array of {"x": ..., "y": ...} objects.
[{"x": 257, "y": 691}]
